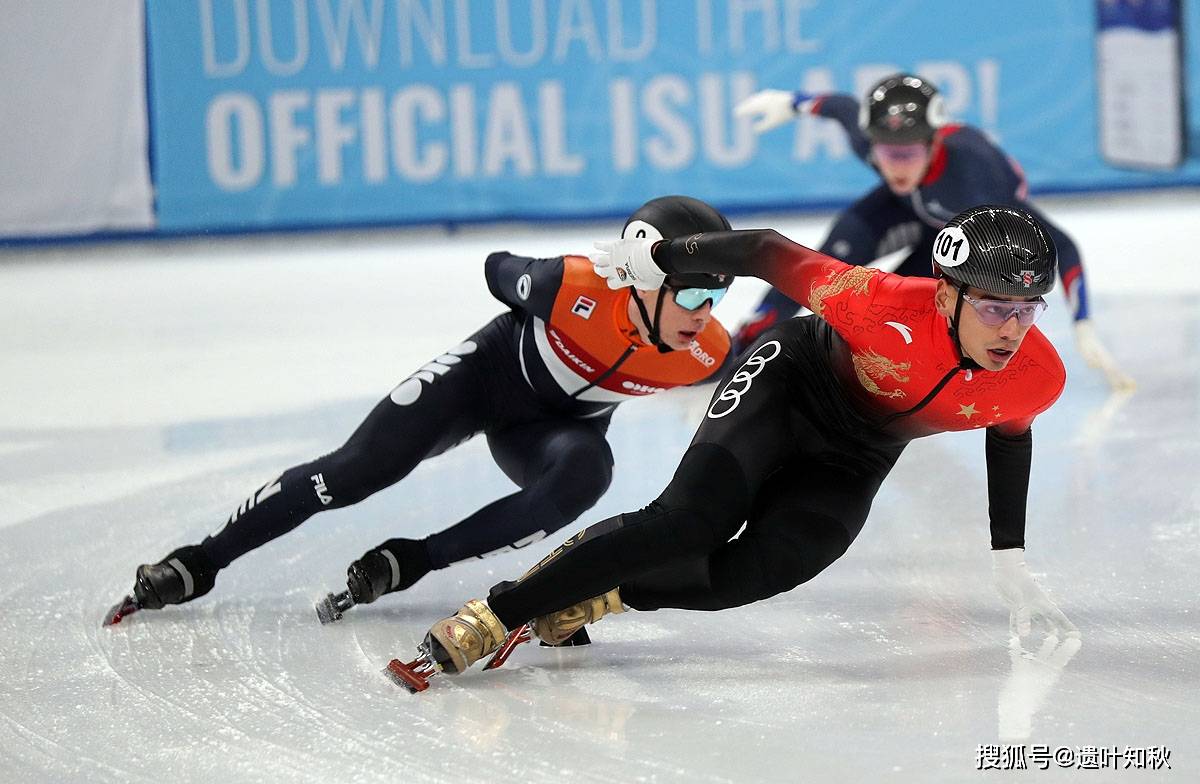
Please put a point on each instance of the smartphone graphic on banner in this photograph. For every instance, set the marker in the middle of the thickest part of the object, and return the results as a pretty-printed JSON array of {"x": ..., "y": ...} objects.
[{"x": 1139, "y": 73}]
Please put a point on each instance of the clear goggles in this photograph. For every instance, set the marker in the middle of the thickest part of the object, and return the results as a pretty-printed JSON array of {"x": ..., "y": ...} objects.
[
  {"x": 694, "y": 299},
  {"x": 994, "y": 312},
  {"x": 900, "y": 153}
]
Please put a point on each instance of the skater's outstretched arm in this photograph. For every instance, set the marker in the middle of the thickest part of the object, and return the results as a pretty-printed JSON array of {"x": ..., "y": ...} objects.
[
  {"x": 871, "y": 227},
  {"x": 768, "y": 109},
  {"x": 807, "y": 276},
  {"x": 1008, "y": 463},
  {"x": 760, "y": 253}
]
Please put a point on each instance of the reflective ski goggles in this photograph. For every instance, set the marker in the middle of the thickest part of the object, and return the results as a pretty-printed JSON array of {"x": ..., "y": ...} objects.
[
  {"x": 994, "y": 312},
  {"x": 694, "y": 299},
  {"x": 900, "y": 153}
]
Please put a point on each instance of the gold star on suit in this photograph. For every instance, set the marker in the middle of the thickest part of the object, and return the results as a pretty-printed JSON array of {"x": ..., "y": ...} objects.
[{"x": 967, "y": 411}]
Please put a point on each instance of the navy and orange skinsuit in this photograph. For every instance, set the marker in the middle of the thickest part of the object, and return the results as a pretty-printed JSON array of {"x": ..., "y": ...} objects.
[
  {"x": 578, "y": 347},
  {"x": 540, "y": 381},
  {"x": 967, "y": 169},
  {"x": 799, "y": 437}
]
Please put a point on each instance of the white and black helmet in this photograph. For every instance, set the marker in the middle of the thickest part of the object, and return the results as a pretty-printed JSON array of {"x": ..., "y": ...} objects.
[
  {"x": 665, "y": 218},
  {"x": 999, "y": 249},
  {"x": 668, "y": 217}
]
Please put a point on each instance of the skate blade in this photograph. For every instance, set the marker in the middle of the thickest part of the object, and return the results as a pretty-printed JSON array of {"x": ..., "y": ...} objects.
[
  {"x": 127, "y": 606},
  {"x": 574, "y": 641},
  {"x": 413, "y": 676},
  {"x": 330, "y": 608},
  {"x": 327, "y": 612},
  {"x": 515, "y": 637}
]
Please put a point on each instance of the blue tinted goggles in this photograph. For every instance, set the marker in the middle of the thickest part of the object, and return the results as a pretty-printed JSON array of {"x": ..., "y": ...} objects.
[{"x": 694, "y": 299}]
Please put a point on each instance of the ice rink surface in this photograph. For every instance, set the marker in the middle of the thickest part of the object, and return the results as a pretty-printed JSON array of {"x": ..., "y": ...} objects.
[{"x": 148, "y": 387}]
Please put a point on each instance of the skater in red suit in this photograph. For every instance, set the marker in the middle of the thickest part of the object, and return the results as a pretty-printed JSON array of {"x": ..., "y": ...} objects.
[{"x": 800, "y": 434}]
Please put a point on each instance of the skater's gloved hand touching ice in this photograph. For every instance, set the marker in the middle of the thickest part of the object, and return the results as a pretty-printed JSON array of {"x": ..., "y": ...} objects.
[
  {"x": 627, "y": 263},
  {"x": 769, "y": 109},
  {"x": 1026, "y": 601}
]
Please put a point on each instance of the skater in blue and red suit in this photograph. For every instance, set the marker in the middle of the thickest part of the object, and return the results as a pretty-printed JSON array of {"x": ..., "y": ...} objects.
[{"x": 931, "y": 169}]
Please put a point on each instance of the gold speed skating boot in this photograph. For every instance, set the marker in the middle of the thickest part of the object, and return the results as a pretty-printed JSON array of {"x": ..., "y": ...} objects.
[
  {"x": 556, "y": 627},
  {"x": 464, "y": 638}
]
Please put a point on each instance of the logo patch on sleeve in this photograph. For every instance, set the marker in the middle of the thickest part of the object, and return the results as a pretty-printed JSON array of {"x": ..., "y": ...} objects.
[{"x": 583, "y": 307}]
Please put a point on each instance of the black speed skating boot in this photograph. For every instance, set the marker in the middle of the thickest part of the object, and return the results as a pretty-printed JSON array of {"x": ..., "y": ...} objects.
[
  {"x": 392, "y": 566},
  {"x": 180, "y": 577},
  {"x": 183, "y": 575}
]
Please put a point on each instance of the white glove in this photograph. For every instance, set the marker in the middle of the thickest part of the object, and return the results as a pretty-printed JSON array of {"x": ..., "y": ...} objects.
[
  {"x": 627, "y": 263},
  {"x": 1024, "y": 598},
  {"x": 768, "y": 109},
  {"x": 1096, "y": 355}
]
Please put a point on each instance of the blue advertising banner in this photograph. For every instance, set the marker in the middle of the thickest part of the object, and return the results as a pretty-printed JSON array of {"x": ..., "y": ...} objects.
[{"x": 280, "y": 113}]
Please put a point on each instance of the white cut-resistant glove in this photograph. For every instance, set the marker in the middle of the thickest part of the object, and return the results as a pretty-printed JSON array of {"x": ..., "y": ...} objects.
[
  {"x": 1096, "y": 355},
  {"x": 627, "y": 263},
  {"x": 769, "y": 108},
  {"x": 1026, "y": 601}
]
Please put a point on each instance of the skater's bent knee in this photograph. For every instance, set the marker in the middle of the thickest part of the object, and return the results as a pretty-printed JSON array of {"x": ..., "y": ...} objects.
[{"x": 822, "y": 540}]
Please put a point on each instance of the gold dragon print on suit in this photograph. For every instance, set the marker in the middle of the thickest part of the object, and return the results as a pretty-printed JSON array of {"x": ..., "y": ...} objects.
[
  {"x": 856, "y": 279},
  {"x": 872, "y": 367}
]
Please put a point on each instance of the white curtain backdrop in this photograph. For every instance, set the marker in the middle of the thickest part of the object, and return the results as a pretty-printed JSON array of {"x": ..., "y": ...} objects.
[{"x": 73, "y": 135}]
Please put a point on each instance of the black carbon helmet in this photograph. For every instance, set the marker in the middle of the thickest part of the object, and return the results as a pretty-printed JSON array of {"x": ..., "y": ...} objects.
[
  {"x": 668, "y": 217},
  {"x": 1002, "y": 250},
  {"x": 901, "y": 109}
]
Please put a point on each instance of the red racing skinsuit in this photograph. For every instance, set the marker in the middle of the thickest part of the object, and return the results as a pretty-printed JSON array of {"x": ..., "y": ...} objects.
[
  {"x": 798, "y": 438},
  {"x": 892, "y": 358},
  {"x": 892, "y": 345}
]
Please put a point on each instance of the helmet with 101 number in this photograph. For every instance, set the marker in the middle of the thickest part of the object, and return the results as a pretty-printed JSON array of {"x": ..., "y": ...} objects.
[{"x": 1001, "y": 250}]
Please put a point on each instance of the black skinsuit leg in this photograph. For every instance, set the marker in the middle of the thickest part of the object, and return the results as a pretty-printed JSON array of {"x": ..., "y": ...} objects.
[
  {"x": 562, "y": 466},
  {"x": 752, "y": 430}
]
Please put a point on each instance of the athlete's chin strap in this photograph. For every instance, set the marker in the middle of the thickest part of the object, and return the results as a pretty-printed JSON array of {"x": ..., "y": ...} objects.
[
  {"x": 964, "y": 362},
  {"x": 653, "y": 324}
]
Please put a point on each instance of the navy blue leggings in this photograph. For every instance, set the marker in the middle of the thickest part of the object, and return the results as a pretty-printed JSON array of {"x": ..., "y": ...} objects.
[{"x": 561, "y": 464}]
